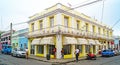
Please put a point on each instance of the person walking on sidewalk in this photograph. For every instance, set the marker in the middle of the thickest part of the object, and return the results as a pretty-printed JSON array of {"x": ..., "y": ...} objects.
[
  {"x": 54, "y": 51},
  {"x": 62, "y": 53},
  {"x": 76, "y": 54},
  {"x": 26, "y": 53}
]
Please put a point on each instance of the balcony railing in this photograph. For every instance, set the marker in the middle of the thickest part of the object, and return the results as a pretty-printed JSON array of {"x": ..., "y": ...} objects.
[{"x": 60, "y": 29}]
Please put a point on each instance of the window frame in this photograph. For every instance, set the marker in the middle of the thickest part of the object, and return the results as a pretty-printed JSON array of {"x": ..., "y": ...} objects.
[
  {"x": 66, "y": 21},
  {"x": 78, "y": 24},
  {"x": 67, "y": 49},
  {"x": 93, "y": 29},
  {"x": 86, "y": 27},
  {"x": 99, "y": 30},
  {"x": 40, "y": 49},
  {"x": 50, "y": 49},
  {"x": 79, "y": 47},
  {"x": 32, "y": 26},
  {"x": 87, "y": 48},
  {"x": 41, "y": 24},
  {"x": 51, "y": 21}
]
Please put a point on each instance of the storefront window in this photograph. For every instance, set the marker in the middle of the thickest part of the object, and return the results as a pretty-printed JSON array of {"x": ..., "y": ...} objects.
[
  {"x": 94, "y": 48},
  {"x": 87, "y": 48},
  {"x": 67, "y": 49},
  {"x": 79, "y": 47},
  {"x": 32, "y": 49},
  {"x": 50, "y": 49},
  {"x": 40, "y": 49}
]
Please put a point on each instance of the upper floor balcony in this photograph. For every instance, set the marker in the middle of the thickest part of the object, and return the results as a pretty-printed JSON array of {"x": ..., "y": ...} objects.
[{"x": 60, "y": 29}]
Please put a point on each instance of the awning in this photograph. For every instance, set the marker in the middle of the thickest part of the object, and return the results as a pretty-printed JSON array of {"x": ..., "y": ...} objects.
[
  {"x": 36, "y": 41},
  {"x": 70, "y": 40},
  {"x": 97, "y": 42},
  {"x": 82, "y": 41},
  {"x": 47, "y": 40},
  {"x": 91, "y": 42}
]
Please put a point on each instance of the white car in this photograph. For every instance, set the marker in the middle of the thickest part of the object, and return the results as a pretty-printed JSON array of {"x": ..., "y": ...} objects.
[{"x": 18, "y": 52}]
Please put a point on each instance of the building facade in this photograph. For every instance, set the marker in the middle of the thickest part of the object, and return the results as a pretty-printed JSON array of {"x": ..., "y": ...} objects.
[
  {"x": 60, "y": 27},
  {"x": 5, "y": 38},
  {"x": 117, "y": 42},
  {"x": 19, "y": 39}
]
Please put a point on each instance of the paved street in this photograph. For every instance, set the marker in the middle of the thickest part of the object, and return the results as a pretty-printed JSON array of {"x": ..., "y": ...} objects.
[
  {"x": 100, "y": 61},
  {"x": 9, "y": 60}
]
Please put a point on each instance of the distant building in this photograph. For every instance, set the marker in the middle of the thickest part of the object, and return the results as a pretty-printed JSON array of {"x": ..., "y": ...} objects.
[
  {"x": 5, "y": 38},
  {"x": 61, "y": 27},
  {"x": 117, "y": 42},
  {"x": 19, "y": 39},
  {"x": 0, "y": 39}
]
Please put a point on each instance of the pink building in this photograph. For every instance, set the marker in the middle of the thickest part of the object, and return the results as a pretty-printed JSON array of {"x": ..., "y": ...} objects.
[{"x": 5, "y": 39}]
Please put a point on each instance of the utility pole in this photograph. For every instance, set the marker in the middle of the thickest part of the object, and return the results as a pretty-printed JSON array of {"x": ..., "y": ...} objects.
[{"x": 10, "y": 33}]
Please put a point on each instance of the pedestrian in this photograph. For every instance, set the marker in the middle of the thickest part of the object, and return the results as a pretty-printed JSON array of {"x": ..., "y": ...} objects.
[
  {"x": 54, "y": 52},
  {"x": 62, "y": 53},
  {"x": 76, "y": 54},
  {"x": 26, "y": 53}
]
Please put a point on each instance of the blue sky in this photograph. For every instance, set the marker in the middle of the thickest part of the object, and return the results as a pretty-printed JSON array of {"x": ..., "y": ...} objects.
[{"x": 17, "y": 11}]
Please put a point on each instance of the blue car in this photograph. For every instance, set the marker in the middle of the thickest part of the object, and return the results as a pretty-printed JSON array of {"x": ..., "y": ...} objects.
[
  {"x": 108, "y": 53},
  {"x": 6, "y": 49}
]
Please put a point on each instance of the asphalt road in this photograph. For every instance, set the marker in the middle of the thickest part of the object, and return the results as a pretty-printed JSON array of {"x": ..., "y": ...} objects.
[
  {"x": 9, "y": 60},
  {"x": 100, "y": 61}
]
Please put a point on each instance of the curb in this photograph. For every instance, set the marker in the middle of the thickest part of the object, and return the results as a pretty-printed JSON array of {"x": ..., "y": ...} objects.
[
  {"x": 54, "y": 63},
  {"x": 61, "y": 63}
]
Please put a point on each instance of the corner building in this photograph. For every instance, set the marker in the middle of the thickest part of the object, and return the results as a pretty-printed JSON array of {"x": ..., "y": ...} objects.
[{"x": 60, "y": 27}]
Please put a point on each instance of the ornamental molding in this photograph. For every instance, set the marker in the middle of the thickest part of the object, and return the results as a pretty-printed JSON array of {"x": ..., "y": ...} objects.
[{"x": 67, "y": 13}]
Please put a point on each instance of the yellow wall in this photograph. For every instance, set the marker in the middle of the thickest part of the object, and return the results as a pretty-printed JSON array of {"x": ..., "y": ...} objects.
[
  {"x": 68, "y": 56},
  {"x": 37, "y": 26},
  {"x": 30, "y": 27},
  {"x": 82, "y": 54}
]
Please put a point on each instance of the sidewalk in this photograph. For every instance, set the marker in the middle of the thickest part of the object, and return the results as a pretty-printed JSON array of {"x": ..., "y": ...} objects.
[{"x": 55, "y": 60}]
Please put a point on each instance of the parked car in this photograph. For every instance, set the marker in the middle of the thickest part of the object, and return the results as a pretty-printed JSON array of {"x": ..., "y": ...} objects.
[
  {"x": 18, "y": 52},
  {"x": 6, "y": 49},
  {"x": 108, "y": 53},
  {"x": 116, "y": 52}
]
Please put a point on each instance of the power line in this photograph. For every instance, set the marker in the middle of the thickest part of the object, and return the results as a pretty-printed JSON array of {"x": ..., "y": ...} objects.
[
  {"x": 15, "y": 24},
  {"x": 86, "y": 4},
  {"x": 102, "y": 11},
  {"x": 81, "y": 2},
  {"x": 19, "y": 23},
  {"x": 116, "y": 22},
  {"x": 69, "y": 9}
]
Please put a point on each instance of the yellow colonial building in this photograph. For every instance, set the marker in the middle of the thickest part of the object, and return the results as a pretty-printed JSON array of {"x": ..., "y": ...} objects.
[{"x": 61, "y": 27}]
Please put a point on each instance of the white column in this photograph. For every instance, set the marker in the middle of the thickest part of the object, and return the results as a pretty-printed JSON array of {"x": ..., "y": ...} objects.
[
  {"x": 96, "y": 29},
  {"x": 36, "y": 25},
  {"x": 58, "y": 46},
  {"x": 45, "y": 50},
  {"x": 45, "y": 22},
  {"x": 73, "y": 22},
  {"x": 96, "y": 49},
  {"x": 35, "y": 49},
  {"x": 73, "y": 50},
  {"x": 91, "y": 28},
  {"x": 59, "y": 19},
  {"x": 29, "y": 46}
]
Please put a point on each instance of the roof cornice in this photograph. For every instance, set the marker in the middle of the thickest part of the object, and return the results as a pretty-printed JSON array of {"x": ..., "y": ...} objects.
[{"x": 68, "y": 13}]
